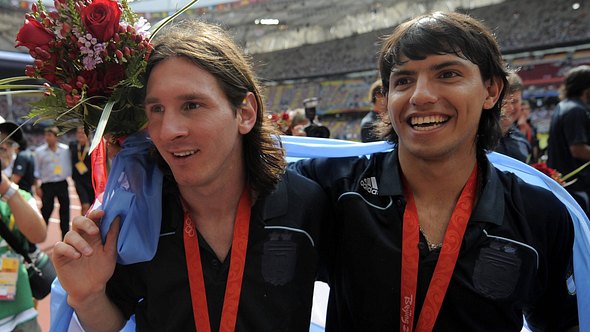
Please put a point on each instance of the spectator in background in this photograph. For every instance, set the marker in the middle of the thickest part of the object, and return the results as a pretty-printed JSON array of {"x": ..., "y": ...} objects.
[
  {"x": 23, "y": 171},
  {"x": 21, "y": 217},
  {"x": 513, "y": 143},
  {"x": 11, "y": 136},
  {"x": 22, "y": 168},
  {"x": 369, "y": 121},
  {"x": 298, "y": 122},
  {"x": 18, "y": 162},
  {"x": 52, "y": 169},
  {"x": 529, "y": 130},
  {"x": 314, "y": 127},
  {"x": 81, "y": 169},
  {"x": 569, "y": 133}
]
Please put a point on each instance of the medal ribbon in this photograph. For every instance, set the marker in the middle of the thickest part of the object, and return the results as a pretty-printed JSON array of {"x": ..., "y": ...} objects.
[
  {"x": 82, "y": 154},
  {"x": 444, "y": 266},
  {"x": 233, "y": 287}
]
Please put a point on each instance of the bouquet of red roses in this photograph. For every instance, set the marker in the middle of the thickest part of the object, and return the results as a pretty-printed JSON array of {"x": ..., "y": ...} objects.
[
  {"x": 550, "y": 172},
  {"x": 92, "y": 54},
  {"x": 555, "y": 175},
  {"x": 282, "y": 121}
]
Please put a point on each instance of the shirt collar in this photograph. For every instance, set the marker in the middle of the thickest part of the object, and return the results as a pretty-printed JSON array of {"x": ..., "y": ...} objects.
[
  {"x": 490, "y": 203},
  {"x": 277, "y": 202}
]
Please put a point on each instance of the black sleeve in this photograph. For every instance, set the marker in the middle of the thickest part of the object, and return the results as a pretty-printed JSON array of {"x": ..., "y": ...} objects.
[
  {"x": 556, "y": 308},
  {"x": 122, "y": 289},
  {"x": 574, "y": 125},
  {"x": 20, "y": 166}
]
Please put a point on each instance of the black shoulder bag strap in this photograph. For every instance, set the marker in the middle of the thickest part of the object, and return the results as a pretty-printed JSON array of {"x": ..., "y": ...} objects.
[{"x": 13, "y": 241}]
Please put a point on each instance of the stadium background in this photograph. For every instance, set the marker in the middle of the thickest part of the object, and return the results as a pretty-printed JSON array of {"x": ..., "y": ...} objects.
[{"x": 328, "y": 48}]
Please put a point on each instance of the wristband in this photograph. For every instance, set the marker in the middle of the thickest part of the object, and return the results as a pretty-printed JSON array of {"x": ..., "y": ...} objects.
[{"x": 10, "y": 192}]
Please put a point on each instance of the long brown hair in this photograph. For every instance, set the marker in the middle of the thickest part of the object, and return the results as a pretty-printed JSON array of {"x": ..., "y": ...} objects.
[{"x": 208, "y": 46}]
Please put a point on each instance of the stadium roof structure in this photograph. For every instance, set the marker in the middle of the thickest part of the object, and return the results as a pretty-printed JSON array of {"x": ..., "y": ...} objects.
[
  {"x": 301, "y": 22},
  {"x": 314, "y": 21}
]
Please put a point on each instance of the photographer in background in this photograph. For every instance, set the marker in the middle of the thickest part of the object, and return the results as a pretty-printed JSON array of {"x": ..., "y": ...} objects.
[
  {"x": 19, "y": 213},
  {"x": 314, "y": 129}
]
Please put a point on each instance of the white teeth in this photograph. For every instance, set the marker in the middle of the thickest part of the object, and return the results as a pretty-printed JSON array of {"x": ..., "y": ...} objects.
[
  {"x": 428, "y": 121},
  {"x": 184, "y": 154}
]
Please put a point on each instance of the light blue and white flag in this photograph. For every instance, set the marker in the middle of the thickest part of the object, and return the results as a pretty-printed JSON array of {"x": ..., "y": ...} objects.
[{"x": 307, "y": 147}]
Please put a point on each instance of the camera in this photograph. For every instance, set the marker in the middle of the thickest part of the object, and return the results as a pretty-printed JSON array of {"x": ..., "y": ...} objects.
[{"x": 314, "y": 129}]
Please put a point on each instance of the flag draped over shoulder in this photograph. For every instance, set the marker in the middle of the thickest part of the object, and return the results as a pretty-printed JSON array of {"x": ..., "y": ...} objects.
[{"x": 137, "y": 193}]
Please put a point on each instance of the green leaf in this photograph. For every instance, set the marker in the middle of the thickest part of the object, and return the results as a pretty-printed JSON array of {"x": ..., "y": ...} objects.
[
  {"x": 14, "y": 79},
  {"x": 22, "y": 92},
  {"x": 102, "y": 124},
  {"x": 162, "y": 23},
  {"x": 574, "y": 172},
  {"x": 20, "y": 86}
]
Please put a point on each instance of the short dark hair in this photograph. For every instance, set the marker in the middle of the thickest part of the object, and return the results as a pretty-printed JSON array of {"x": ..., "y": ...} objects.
[
  {"x": 576, "y": 81},
  {"x": 52, "y": 129},
  {"x": 447, "y": 33}
]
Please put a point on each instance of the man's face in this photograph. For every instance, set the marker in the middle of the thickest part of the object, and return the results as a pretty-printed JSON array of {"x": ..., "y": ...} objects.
[
  {"x": 7, "y": 151},
  {"x": 380, "y": 105},
  {"x": 511, "y": 108},
  {"x": 193, "y": 125},
  {"x": 525, "y": 110},
  {"x": 435, "y": 105},
  {"x": 50, "y": 138},
  {"x": 81, "y": 136}
]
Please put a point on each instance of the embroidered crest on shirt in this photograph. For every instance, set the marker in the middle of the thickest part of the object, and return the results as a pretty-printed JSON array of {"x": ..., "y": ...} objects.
[
  {"x": 279, "y": 258},
  {"x": 497, "y": 270}
]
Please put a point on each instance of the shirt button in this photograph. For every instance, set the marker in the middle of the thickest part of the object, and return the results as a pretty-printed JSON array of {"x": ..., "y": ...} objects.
[{"x": 422, "y": 246}]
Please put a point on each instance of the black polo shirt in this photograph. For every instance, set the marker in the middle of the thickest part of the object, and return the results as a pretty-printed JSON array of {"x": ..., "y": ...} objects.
[
  {"x": 570, "y": 124},
  {"x": 24, "y": 166},
  {"x": 514, "y": 145},
  {"x": 281, "y": 267},
  {"x": 514, "y": 259}
]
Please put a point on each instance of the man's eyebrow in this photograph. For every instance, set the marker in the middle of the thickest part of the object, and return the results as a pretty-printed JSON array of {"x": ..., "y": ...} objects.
[
  {"x": 401, "y": 72},
  {"x": 445, "y": 64},
  {"x": 435, "y": 67},
  {"x": 188, "y": 96}
]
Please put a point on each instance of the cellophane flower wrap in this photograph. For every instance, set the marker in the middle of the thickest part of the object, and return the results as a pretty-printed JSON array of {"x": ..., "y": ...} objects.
[{"x": 92, "y": 54}]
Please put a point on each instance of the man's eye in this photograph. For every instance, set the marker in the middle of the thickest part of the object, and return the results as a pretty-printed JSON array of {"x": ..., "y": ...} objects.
[
  {"x": 401, "y": 81},
  {"x": 191, "y": 106},
  {"x": 449, "y": 74},
  {"x": 156, "y": 109}
]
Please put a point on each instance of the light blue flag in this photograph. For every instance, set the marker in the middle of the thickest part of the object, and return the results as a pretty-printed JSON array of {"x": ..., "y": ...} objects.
[
  {"x": 306, "y": 147},
  {"x": 133, "y": 193}
]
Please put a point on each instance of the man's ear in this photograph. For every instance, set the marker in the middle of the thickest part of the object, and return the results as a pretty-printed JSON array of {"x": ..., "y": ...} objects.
[
  {"x": 247, "y": 113},
  {"x": 494, "y": 87}
]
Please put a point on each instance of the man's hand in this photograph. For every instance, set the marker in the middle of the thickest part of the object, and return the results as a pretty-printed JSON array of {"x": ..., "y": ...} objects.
[{"x": 83, "y": 264}]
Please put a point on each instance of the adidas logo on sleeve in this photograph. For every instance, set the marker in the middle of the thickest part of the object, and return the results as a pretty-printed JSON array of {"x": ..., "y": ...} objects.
[{"x": 370, "y": 185}]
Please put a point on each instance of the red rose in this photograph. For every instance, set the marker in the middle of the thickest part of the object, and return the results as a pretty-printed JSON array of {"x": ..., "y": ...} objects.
[
  {"x": 101, "y": 81},
  {"x": 49, "y": 69},
  {"x": 93, "y": 82},
  {"x": 101, "y": 18},
  {"x": 114, "y": 74},
  {"x": 32, "y": 34}
]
